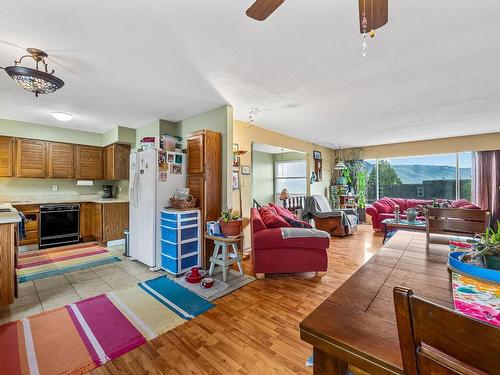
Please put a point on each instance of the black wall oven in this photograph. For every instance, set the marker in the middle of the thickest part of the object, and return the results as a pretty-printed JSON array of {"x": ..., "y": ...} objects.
[{"x": 59, "y": 224}]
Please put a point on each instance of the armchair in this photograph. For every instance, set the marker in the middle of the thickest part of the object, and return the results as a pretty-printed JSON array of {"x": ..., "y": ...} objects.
[{"x": 338, "y": 222}]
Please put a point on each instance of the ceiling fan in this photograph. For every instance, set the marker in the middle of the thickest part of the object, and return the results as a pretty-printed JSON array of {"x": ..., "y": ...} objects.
[{"x": 373, "y": 14}]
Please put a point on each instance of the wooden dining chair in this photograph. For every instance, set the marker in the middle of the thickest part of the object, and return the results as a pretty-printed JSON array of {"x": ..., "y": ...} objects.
[
  {"x": 436, "y": 340},
  {"x": 455, "y": 222}
]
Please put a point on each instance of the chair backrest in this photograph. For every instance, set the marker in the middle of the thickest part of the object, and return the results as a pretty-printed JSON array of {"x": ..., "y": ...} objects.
[
  {"x": 322, "y": 203},
  {"x": 436, "y": 340},
  {"x": 456, "y": 221}
]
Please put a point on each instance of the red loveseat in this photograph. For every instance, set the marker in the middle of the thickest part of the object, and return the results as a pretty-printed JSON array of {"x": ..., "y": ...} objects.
[
  {"x": 271, "y": 253},
  {"x": 384, "y": 208}
]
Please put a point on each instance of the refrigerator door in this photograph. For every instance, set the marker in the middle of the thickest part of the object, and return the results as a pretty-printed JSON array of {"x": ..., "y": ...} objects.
[
  {"x": 143, "y": 207},
  {"x": 166, "y": 190}
]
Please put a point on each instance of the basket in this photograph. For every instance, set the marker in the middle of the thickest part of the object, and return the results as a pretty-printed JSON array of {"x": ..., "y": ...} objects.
[{"x": 179, "y": 204}]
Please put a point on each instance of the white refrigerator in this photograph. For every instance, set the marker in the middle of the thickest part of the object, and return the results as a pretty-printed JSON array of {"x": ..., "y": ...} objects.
[{"x": 155, "y": 175}]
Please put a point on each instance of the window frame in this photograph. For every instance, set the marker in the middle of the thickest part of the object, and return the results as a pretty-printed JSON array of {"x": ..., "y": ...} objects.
[{"x": 276, "y": 178}]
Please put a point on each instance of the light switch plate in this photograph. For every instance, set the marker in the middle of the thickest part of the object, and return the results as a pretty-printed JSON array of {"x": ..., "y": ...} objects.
[{"x": 55, "y": 188}]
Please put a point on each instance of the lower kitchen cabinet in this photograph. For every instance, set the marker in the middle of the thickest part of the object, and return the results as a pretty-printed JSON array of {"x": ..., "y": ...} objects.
[
  {"x": 103, "y": 222},
  {"x": 32, "y": 223}
]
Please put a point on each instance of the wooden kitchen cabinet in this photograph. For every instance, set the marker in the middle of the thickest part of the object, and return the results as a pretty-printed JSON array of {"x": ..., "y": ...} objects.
[
  {"x": 88, "y": 163},
  {"x": 31, "y": 158},
  {"x": 116, "y": 162},
  {"x": 7, "y": 156},
  {"x": 8, "y": 255},
  {"x": 86, "y": 221},
  {"x": 61, "y": 160},
  {"x": 114, "y": 221},
  {"x": 97, "y": 222},
  {"x": 32, "y": 224}
]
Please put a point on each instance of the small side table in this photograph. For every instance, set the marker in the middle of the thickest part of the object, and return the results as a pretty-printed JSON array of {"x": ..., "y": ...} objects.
[{"x": 222, "y": 256}]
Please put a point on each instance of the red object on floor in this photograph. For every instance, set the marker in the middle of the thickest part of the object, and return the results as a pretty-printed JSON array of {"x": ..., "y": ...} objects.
[
  {"x": 194, "y": 276},
  {"x": 271, "y": 253},
  {"x": 384, "y": 208}
]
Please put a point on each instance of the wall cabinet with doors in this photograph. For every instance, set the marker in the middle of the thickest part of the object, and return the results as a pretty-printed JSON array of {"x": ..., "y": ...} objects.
[
  {"x": 31, "y": 158},
  {"x": 205, "y": 178},
  {"x": 7, "y": 156},
  {"x": 116, "y": 162},
  {"x": 61, "y": 160},
  {"x": 89, "y": 162}
]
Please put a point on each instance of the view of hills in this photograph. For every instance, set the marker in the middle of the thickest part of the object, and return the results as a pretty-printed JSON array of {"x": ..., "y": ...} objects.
[{"x": 415, "y": 174}]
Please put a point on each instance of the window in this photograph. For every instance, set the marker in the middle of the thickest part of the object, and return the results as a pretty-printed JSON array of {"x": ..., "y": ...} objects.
[
  {"x": 290, "y": 175},
  {"x": 445, "y": 176},
  {"x": 371, "y": 184}
]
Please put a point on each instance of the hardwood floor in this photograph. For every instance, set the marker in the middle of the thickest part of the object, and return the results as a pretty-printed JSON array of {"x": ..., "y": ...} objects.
[{"x": 255, "y": 329}]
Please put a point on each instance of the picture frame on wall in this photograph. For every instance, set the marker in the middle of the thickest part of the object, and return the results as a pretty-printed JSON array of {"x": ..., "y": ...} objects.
[
  {"x": 245, "y": 170},
  {"x": 316, "y": 155},
  {"x": 236, "y": 182}
]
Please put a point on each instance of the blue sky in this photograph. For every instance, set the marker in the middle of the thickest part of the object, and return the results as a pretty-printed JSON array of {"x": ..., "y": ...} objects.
[{"x": 448, "y": 159}]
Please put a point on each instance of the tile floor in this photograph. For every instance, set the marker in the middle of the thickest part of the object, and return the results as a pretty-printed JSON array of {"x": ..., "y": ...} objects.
[{"x": 52, "y": 292}]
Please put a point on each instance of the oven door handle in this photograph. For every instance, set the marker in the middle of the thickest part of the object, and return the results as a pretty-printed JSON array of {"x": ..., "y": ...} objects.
[{"x": 51, "y": 212}]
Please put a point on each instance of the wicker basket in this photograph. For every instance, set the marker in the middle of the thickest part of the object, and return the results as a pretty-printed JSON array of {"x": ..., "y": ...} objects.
[{"x": 179, "y": 204}]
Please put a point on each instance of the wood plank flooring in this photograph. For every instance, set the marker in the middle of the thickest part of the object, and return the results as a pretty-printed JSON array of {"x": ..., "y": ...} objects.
[{"x": 255, "y": 329}]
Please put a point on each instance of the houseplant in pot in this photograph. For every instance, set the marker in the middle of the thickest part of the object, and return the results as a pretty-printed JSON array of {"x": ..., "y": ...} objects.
[
  {"x": 487, "y": 249},
  {"x": 230, "y": 225}
]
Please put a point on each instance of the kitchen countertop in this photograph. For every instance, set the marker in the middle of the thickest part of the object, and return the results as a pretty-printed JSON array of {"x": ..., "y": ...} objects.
[
  {"x": 9, "y": 217},
  {"x": 68, "y": 200}
]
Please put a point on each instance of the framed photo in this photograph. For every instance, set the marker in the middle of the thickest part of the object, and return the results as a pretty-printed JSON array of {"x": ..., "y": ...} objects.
[
  {"x": 236, "y": 182},
  {"x": 316, "y": 155},
  {"x": 170, "y": 158},
  {"x": 178, "y": 159},
  {"x": 175, "y": 169},
  {"x": 245, "y": 169}
]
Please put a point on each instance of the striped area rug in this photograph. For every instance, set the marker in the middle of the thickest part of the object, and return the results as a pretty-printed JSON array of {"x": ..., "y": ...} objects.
[
  {"x": 79, "y": 337},
  {"x": 39, "y": 264}
]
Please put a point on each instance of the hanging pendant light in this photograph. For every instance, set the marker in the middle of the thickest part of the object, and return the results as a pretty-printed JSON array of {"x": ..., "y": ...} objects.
[{"x": 35, "y": 80}]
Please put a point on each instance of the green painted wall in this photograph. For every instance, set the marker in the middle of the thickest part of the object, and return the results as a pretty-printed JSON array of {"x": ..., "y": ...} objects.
[
  {"x": 289, "y": 156},
  {"x": 43, "y": 187},
  {"x": 263, "y": 177},
  {"x": 48, "y": 133},
  {"x": 53, "y": 133}
]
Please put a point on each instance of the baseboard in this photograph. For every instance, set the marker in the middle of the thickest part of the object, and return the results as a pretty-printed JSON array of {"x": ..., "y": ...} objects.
[{"x": 115, "y": 243}]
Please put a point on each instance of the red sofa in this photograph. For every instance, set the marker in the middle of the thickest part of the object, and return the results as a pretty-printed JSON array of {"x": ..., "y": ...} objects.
[
  {"x": 384, "y": 208},
  {"x": 271, "y": 253}
]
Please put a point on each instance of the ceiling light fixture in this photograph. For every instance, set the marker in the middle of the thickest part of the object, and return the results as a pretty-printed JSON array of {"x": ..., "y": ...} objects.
[
  {"x": 34, "y": 80},
  {"x": 62, "y": 116}
]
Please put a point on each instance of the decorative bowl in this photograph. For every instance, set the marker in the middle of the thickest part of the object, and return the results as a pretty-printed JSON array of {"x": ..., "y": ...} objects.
[{"x": 207, "y": 282}]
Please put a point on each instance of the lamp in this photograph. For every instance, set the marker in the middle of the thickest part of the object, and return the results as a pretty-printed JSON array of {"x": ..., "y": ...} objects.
[
  {"x": 340, "y": 165},
  {"x": 34, "y": 80}
]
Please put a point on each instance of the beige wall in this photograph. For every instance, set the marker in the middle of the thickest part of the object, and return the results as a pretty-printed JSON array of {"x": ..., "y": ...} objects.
[
  {"x": 479, "y": 142},
  {"x": 245, "y": 135}
]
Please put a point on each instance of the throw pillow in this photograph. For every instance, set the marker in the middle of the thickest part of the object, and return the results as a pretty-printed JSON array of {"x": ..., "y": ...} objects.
[
  {"x": 297, "y": 223},
  {"x": 272, "y": 219},
  {"x": 283, "y": 212}
]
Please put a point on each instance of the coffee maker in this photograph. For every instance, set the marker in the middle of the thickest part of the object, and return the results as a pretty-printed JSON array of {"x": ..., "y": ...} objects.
[{"x": 107, "y": 191}]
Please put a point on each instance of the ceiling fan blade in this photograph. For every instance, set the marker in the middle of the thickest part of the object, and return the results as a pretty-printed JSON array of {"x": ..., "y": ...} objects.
[
  {"x": 376, "y": 13},
  {"x": 262, "y": 9}
]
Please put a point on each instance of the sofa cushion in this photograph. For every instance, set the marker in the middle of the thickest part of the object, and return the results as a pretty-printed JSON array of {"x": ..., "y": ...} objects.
[
  {"x": 384, "y": 205},
  {"x": 283, "y": 212},
  {"x": 256, "y": 221},
  {"x": 273, "y": 239},
  {"x": 271, "y": 218}
]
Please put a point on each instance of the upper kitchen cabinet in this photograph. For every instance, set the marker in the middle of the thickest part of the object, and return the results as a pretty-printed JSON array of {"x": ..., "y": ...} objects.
[
  {"x": 89, "y": 163},
  {"x": 6, "y": 157},
  {"x": 195, "y": 150},
  {"x": 61, "y": 160},
  {"x": 116, "y": 162},
  {"x": 31, "y": 158}
]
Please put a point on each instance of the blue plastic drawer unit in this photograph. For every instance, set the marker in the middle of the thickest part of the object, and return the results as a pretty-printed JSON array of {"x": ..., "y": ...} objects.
[{"x": 180, "y": 240}]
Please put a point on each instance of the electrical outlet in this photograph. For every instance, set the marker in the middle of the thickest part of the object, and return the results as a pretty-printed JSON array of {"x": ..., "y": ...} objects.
[{"x": 55, "y": 188}]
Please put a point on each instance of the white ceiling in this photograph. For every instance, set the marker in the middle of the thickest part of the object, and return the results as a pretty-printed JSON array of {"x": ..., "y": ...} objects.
[{"x": 432, "y": 71}]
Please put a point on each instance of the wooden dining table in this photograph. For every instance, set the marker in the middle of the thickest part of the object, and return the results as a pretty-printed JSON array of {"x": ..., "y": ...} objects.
[{"x": 356, "y": 325}]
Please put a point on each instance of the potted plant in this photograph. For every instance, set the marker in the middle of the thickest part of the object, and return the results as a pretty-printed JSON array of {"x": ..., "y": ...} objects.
[
  {"x": 230, "y": 225},
  {"x": 487, "y": 249}
]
